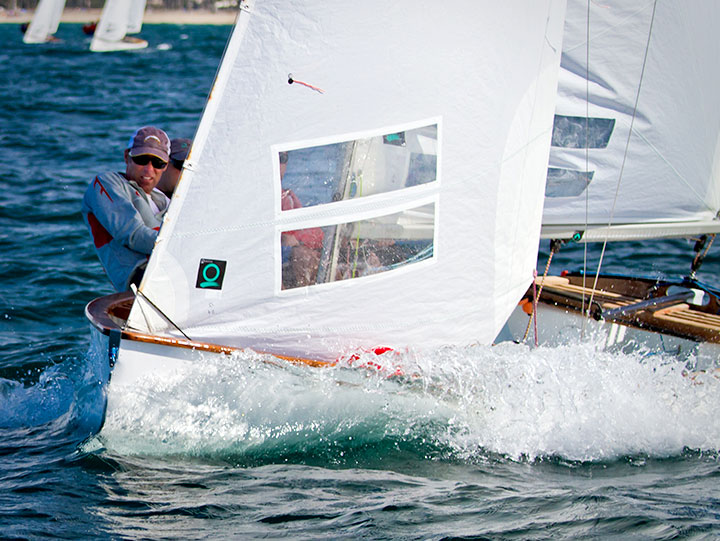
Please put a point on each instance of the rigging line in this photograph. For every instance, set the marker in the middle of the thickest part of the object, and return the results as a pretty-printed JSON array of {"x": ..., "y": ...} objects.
[
  {"x": 554, "y": 247},
  {"x": 627, "y": 146},
  {"x": 587, "y": 163},
  {"x": 140, "y": 293},
  {"x": 699, "y": 258},
  {"x": 359, "y": 187}
]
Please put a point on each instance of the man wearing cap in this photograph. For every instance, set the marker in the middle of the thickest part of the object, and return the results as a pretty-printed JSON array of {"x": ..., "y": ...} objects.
[
  {"x": 179, "y": 149},
  {"x": 124, "y": 210}
]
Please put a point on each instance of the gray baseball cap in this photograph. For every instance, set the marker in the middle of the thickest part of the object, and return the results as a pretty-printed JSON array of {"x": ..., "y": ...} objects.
[{"x": 150, "y": 140}]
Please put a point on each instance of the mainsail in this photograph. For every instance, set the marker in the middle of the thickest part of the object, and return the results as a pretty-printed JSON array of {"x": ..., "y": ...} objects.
[
  {"x": 45, "y": 21},
  {"x": 636, "y": 137},
  {"x": 402, "y": 145}
]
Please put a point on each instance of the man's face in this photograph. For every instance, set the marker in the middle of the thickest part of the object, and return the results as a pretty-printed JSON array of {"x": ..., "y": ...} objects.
[{"x": 146, "y": 173}]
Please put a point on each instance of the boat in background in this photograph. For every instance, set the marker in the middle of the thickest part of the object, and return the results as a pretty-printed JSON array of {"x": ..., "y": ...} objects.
[
  {"x": 118, "y": 19},
  {"x": 89, "y": 29},
  {"x": 635, "y": 157},
  {"x": 45, "y": 22},
  {"x": 385, "y": 195}
]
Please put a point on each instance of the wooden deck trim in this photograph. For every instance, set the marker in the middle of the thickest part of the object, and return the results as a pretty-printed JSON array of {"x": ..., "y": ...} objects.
[
  {"x": 682, "y": 319},
  {"x": 563, "y": 284},
  {"x": 99, "y": 312}
]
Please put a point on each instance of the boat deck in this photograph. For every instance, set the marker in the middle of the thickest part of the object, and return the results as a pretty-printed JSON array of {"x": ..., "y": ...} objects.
[{"x": 642, "y": 303}]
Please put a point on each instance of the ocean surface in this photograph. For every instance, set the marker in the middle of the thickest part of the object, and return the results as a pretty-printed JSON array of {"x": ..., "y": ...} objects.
[{"x": 501, "y": 442}]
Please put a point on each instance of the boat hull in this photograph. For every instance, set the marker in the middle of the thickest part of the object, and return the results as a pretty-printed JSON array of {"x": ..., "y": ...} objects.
[
  {"x": 133, "y": 357},
  {"x": 681, "y": 329},
  {"x": 126, "y": 44},
  {"x": 132, "y": 362}
]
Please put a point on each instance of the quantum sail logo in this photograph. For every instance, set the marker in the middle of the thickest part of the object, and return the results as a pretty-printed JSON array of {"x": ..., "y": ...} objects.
[{"x": 210, "y": 274}]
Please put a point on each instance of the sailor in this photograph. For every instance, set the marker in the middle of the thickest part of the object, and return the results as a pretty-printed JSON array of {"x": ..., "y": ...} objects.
[
  {"x": 179, "y": 149},
  {"x": 124, "y": 211},
  {"x": 300, "y": 248}
]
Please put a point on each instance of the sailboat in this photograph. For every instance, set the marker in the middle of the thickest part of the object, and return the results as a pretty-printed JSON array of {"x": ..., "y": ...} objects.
[
  {"x": 365, "y": 177},
  {"x": 118, "y": 19},
  {"x": 634, "y": 157},
  {"x": 45, "y": 22}
]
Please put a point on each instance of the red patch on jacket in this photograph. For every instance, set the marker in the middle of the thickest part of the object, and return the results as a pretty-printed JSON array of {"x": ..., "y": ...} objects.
[
  {"x": 100, "y": 235},
  {"x": 102, "y": 188}
]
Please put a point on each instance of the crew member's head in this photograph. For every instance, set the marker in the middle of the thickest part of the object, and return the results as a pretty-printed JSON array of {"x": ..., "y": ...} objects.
[
  {"x": 179, "y": 149},
  {"x": 283, "y": 163},
  {"x": 146, "y": 157}
]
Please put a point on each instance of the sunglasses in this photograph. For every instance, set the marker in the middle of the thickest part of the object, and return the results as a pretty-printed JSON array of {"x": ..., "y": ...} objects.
[
  {"x": 144, "y": 159},
  {"x": 177, "y": 164}
]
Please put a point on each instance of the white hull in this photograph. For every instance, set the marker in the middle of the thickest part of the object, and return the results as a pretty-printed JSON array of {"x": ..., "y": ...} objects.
[
  {"x": 132, "y": 361},
  {"x": 135, "y": 359},
  {"x": 558, "y": 325},
  {"x": 126, "y": 44},
  {"x": 49, "y": 39}
]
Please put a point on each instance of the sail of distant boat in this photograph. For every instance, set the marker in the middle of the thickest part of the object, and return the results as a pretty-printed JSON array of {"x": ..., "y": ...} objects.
[
  {"x": 636, "y": 146},
  {"x": 135, "y": 20},
  {"x": 118, "y": 19},
  {"x": 416, "y": 142},
  {"x": 45, "y": 21}
]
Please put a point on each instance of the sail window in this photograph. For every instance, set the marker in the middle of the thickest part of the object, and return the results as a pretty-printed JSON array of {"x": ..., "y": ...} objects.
[
  {"x": 567, "y": 182},
  {"x": 582, "y": 132},
  {"x": 362, "y": 167},
  {"x": 357, "y": 249}
]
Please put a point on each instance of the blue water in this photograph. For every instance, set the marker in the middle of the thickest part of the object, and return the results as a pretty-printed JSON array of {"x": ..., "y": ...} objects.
[{"x": 491, "y": 443}]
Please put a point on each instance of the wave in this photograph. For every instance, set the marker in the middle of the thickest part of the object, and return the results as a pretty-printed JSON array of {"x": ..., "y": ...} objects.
[{"x": 576, "y": 402}]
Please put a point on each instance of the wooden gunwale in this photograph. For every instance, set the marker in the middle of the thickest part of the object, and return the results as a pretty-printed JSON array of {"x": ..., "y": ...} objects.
[
  {"x": 108, "y": 313},
  {"x": 682, "y": 319}
]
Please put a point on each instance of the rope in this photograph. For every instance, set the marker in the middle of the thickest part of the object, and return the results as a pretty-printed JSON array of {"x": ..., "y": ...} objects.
[
  {"x": 707, "y": 249},
  {"x": 358, "y": 180},
  {"x": 699, "y": 258},
  {"x": 535, "y": 305},
  {"x": 151, "y": 303},
  {"x": 587, "y": 158},
  {"x": 622, "y": 166},
  {"x": 554, "y": 246}
]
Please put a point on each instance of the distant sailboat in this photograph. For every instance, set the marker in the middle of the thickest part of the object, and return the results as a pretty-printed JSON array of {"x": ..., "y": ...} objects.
[
  {"x": 119, "y": 18},
  {"x": 385, "y": 193},
  {"x": 635, "y": 156},
  {"x": 45, "y": 22}
]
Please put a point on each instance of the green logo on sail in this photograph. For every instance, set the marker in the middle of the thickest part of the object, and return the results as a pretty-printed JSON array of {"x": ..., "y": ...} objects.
[{"x": 211, "y": 273}]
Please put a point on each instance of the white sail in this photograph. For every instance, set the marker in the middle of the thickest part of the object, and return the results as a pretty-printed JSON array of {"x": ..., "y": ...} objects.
[
  {"x": 45, "y": 21},
  {"x": 661, "y": 179},
  {"x": 111, "y": 31},
  {"x": 417, "y": 137},
  {"x": 137, "y": 12}
]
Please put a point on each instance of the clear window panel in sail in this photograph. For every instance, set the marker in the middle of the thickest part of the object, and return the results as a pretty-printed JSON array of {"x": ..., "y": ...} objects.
[
  {"x": 359, "y": 168},
  {"x": 356, "y": 249}
]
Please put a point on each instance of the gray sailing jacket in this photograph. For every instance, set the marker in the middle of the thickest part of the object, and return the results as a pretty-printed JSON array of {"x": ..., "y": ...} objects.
[{"x": 122, "y": 223}]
